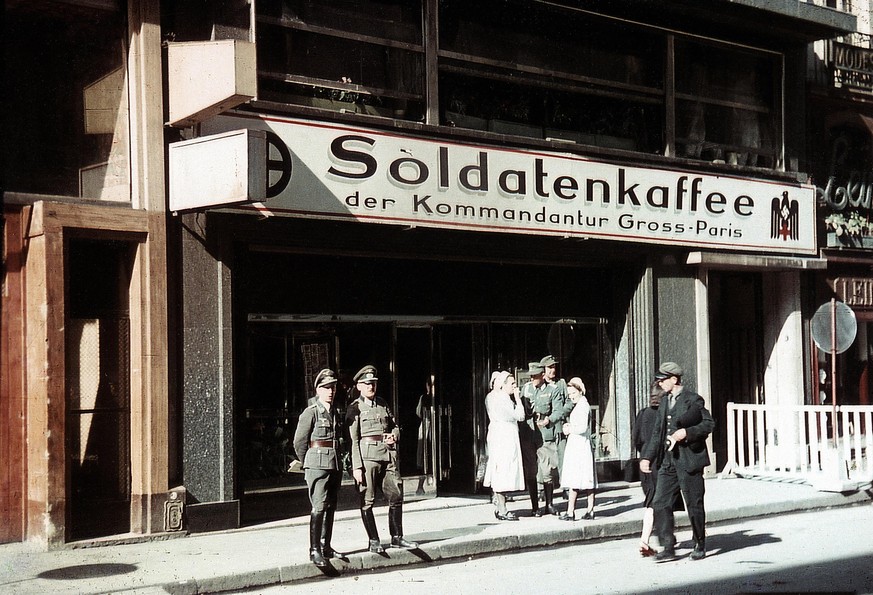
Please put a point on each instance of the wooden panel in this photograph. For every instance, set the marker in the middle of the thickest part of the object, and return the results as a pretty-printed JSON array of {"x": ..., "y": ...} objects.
[{"x": 12, "y": 410}]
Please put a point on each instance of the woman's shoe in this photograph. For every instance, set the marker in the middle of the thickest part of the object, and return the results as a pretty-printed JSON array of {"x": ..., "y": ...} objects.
[
  {"x": 509, "y": 516},
  {"x": 589, "y": 515},
  {"x": 567, "y": 517},
  {"x": 646, "y": 550}
]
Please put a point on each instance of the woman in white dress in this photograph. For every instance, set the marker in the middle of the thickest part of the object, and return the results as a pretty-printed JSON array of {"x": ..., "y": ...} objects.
[
  {"x": 578, "y": 473},
  {"x": 503, "y": 472}
]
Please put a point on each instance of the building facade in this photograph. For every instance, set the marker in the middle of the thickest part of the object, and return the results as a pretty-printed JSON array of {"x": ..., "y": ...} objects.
[{"x": 435, "y": 188}]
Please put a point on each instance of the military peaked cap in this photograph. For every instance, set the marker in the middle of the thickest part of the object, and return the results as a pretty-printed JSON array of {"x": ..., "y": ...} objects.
[
  {"x": 325, "y": 377},
  {"x": 547, "y": 361},
  {"x": 366, "y": 374}
]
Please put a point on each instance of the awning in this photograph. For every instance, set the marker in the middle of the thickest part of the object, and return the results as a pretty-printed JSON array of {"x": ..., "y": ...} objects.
[{"x": 733, "y": 262}]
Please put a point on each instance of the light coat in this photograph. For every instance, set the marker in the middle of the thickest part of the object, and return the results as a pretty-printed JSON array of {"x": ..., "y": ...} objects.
[{"x": 504, "y": 471}]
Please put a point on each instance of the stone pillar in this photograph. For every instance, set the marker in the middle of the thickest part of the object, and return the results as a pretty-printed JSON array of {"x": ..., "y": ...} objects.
[
  {"x": 783, "y": 353},
  {"x": 207, "y": 381}
]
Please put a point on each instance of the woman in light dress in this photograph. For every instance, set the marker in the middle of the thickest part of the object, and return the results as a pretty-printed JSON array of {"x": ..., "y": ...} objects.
[
  {"x": 503, "y": 472},
  {"x": 578, "y": 473}
]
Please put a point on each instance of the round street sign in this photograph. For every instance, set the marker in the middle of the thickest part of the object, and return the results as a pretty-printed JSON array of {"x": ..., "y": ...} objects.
[{"x": 834, "y": 327}]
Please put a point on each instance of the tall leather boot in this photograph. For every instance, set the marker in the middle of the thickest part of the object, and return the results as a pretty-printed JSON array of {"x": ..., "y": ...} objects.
[
  {"x": 534, "y": 500},
  {"x": 375, "y": 545},
  {"x": 395, "y": 526},
  {"x": 549, "y": 490},
  {"x": 316, "y": 522},
  {"x": 326, "y": 534}
]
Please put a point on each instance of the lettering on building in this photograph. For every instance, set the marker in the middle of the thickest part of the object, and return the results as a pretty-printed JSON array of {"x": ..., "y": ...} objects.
[
  {"x": 853, "y": 66},
  {"x": 855, "y": 291}
]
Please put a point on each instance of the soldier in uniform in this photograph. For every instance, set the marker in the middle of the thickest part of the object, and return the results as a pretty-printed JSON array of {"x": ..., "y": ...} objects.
[
  {"x": 374, "y": 435},
  {"x": 550, "y": 375},
  {"x": 316, "y": 443},
  {"x": 529, "y": 434},
  {"x": 551, "y": 409}
]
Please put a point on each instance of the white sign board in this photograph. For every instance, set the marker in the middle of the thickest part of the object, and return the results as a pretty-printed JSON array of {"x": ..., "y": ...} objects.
[
  {"x": 331, "y": 171},
  {"x": 218, "y": 170}
]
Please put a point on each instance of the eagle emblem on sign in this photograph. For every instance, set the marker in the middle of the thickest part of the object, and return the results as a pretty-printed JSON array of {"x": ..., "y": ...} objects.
[{"x": 784, "y": 218}]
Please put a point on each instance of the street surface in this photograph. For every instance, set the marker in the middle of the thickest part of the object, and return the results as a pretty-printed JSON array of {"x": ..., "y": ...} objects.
[{"x": 816, "y": 552}]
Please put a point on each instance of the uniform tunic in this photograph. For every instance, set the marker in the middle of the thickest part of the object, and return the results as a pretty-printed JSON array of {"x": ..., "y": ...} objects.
[
  {"x": 551, "y": 402},
  {"x": 528, "y": 433},
  {"x": 317, "y": 428},
  {"x": 504, "y": 471},
  {"x": 368, "y": 422}
]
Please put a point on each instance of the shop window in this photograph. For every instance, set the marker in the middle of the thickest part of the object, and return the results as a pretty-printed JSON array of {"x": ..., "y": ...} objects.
[
  {"x": 727, "y": 104},
  {"x": 66, "y": 125},
  {"x": 364, "y": 56}
]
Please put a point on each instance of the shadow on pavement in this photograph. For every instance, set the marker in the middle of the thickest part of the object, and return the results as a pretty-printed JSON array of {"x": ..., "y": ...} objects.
[{"x": 86, "y": 571}]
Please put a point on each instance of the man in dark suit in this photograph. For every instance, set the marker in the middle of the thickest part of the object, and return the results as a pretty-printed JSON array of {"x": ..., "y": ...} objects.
[{"x": 678, "y": 443}]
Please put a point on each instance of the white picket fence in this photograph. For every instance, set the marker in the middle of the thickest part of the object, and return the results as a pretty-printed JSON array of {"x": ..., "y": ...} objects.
[{"x": 796, "y": 442}]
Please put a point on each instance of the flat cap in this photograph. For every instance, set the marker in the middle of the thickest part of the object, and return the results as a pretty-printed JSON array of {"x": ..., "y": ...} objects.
[
  {"x": 366, "y": 374},
  {"x": 325, "y": 377},
  {"x": 547, "y": 361},
  {"x": 668, "y": 369}
]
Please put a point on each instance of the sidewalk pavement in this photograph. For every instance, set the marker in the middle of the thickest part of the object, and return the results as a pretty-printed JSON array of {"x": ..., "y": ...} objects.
[{"x": 445, "y": 527}]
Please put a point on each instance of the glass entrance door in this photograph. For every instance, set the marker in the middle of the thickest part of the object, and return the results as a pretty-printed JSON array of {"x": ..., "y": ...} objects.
[{"x": 415, "y": 410}]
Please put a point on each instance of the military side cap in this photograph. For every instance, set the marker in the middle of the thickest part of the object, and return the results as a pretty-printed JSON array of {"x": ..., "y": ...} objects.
[
  {"x": 547, "y": 361},
  {"x": 366, "y": 374},
  {"x": 668, "y": 369},
  {"x": 534, "y": 368},
  {"x": 325, "y": 377}
]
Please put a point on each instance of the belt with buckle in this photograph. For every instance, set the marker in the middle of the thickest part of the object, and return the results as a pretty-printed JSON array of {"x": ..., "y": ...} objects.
[
  {"x": 376, "y": 438},
  {"x": 321, "y": 444}
]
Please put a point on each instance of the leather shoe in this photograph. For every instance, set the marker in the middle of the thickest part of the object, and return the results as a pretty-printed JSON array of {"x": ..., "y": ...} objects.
[
  {"x": 537, "y": 512},
  {"x": 567, "y": 517},
  {"x": 589, "y": 515},
  {"x": 398, "y": 541},
  {"x": 375, "y": 546},
  {"x": 668, "y": 553},
  {"x": 509, "y": 516},
  {"x": 698, "y": 553},
  {"x": 551, "y": 510}
]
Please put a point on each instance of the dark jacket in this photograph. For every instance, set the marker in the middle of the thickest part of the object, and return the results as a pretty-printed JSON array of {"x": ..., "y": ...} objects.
[
  {"x": 690, "y": 455},
  {"x": 644, "y": 424}
]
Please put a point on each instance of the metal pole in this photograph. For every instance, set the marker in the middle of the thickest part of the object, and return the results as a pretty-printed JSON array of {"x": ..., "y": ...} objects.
[{"x": 834, "y": 368}]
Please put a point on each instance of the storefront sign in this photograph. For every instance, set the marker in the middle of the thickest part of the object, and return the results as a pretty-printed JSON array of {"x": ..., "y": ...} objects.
[
  {"x": 855, "y": 291},
  {"x": 325, "y": 170},
  {"x": 853, "y": 66}
]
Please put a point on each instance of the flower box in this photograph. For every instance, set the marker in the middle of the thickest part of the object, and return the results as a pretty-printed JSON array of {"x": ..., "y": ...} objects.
[{"x": 849, "y": 241}]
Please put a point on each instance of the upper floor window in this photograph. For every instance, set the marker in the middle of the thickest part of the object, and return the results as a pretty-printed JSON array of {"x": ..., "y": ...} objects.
[
  {"x": 549, "y": 73},
  {"x": 522, "y": 68},
  {"x": 727, "y": 104},
  {"x": 66, "y": 125},
  {"x": 364, "y": 56}
]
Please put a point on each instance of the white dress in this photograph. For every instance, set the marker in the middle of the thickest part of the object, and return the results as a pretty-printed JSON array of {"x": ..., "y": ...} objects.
[
  {"x": 579, "y": 472},
  {"x": 503, "y": 472}
]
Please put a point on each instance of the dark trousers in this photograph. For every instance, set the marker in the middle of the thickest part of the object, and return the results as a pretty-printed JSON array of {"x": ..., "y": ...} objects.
[
  {"x": 386, "y": 476},
  {"x": 323, "y": 487},
  {"x": 670, "y": 482}
]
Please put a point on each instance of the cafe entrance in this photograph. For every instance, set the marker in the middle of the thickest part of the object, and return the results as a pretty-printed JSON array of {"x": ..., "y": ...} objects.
[{"x": 433, "y": 372}]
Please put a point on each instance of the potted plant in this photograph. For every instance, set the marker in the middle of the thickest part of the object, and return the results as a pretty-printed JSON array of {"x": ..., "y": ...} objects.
[{"x": 851, "y": 230}]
